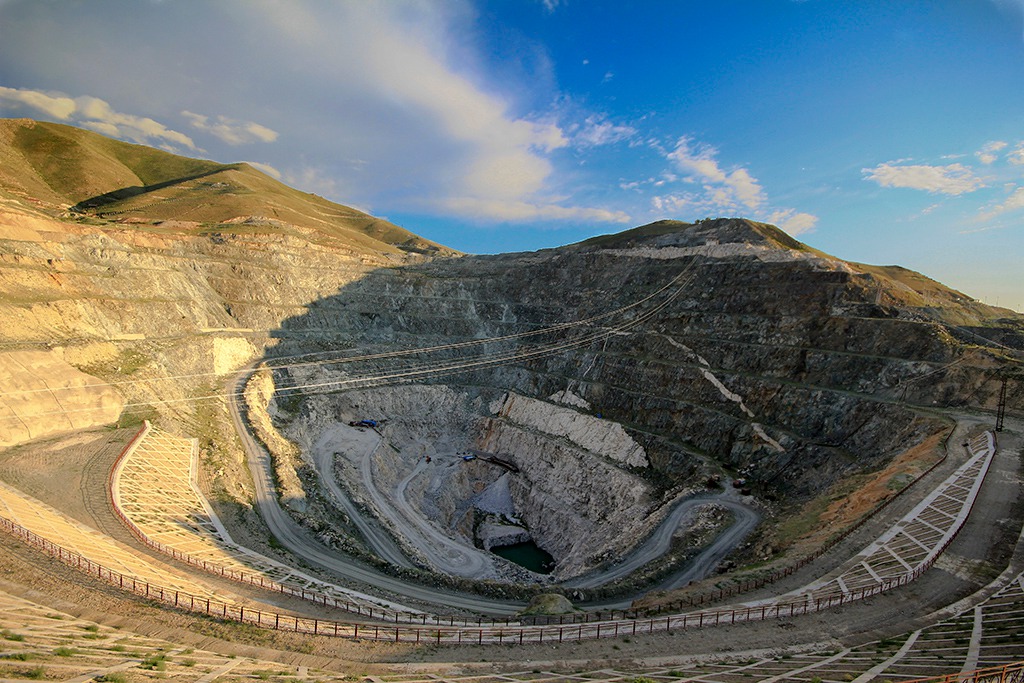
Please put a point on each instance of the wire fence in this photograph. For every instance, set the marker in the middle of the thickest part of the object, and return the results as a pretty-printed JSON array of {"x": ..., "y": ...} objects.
[
  {"x": 1007, "y": 673},
  {"x": 397, "y": 626},
  {"x": 790, "y": 569},
  {"x": 398, "y": 616},
  {"x": 459, "y": 634}
]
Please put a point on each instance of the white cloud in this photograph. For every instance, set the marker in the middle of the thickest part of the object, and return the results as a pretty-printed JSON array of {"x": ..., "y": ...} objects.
[
  {"x": 709, "y": 189},
  {"x": 793, "y": 222},
  {"x": 399, "y": 84},
  {"x": 57, "y": 105},
  {"x": 674, "y": 204},
  {"x": 745, "y": 188},
  {"x": 987, "y": 153},
  {"x": 97, "y": 115},
  {"x": 700, "y": 163},
  {"x": 596, "y": 130},
  {"x": 315, "y": 180},
  {"x": 1014, "y": 202},
  {"x": 431, "y": 127},
  {"x": 514, "y": 210},
  {"x": 728, "y": 190},
  {"x": 108, "y": 129},
  {"x": 953, "y": 179},
  {"x": 231, "y": 131},
  {"x": 1016, "y": 157},
  {"x": 94, "y": 112}
]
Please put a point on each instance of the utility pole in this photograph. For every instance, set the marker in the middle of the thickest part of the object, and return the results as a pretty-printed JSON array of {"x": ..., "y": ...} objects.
[{"x": 1001, "y": 407}]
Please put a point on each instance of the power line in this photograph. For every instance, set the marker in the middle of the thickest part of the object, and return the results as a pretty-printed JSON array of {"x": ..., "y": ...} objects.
[{"x": 416, "y": 371}]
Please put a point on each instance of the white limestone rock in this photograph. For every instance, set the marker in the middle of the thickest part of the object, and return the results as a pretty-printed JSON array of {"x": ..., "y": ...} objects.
[{"x": 603, "y": 437}]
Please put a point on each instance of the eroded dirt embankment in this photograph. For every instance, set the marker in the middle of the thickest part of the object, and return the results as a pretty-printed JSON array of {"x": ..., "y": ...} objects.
[{"x": 44, "y": 395}]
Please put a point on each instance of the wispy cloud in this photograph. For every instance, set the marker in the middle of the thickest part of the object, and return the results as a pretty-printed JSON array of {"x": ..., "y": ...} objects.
[
  {"x": 231, "y": 131},
  {"x": 1016, "y": 156},
  {"x": 266, "y": 168},
  {"x": 952, "y": 179},
  {"x": 1013, "y": 202},
  {"x": 792, "y": 221},
  {"x": 988, "y": 152},
  {"x": 95, "y": 114},
  {"x": 428, "y": 124},
  {"x": 697, "y": 184},
  {"x": 313, "y": 179},
  {"x": 512, "y": 210},
  {"x": 728, "y": 189},
  {"x": 383, "y": 82},
  {"x": 597, "y": 130}
]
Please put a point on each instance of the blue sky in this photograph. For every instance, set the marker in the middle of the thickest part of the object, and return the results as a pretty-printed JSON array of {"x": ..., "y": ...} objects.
[{"x": 881, "y": 131}]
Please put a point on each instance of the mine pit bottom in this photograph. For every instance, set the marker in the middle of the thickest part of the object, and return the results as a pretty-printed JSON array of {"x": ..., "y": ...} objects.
[{"x": 527, "y": 554}]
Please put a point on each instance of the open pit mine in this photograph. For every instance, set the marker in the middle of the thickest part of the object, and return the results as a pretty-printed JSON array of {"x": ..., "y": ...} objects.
[{"x": 229, "y": 404}]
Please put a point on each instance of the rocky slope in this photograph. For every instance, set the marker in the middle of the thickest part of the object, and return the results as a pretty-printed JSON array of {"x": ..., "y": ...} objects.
[
  {"x": 641, "y": 365},
  {"x": 748, "y": 355},
  {"x": 99, "y": 269}
]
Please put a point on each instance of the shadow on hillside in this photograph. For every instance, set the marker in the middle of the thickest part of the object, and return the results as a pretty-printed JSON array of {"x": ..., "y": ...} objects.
[{"x": 108, "y": 198}]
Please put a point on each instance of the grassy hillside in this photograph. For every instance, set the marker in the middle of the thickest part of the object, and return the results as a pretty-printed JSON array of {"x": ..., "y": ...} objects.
[{"x": 60, "y": 168}]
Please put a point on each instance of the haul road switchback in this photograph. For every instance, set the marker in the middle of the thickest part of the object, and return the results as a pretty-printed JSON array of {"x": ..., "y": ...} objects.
[{"x": 456, "y": 556}]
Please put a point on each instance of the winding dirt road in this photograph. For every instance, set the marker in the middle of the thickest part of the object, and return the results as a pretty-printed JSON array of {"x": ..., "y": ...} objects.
[
  {"x": 378, "y": 539},
  {"x": 656, "y": 545},
  {"x": 297, "y": 541},
  {"x": 443, "y": 552}
]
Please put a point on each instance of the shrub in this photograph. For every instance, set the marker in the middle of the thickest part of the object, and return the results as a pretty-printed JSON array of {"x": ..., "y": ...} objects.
[
  {"x": 18, "y": 656},
  {"x": 112, "y": 678},
  {"x": 154, "y": 663}
]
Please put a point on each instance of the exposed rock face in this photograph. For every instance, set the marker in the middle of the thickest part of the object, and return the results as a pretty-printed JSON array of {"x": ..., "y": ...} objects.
[
  {"x": 760, "y": 355},
  {"x": 128, "y": 304},
  {"x": 258, "y": 395},
  {"x": 640, "y": 363},
  {"x": 715, "y": 348},
  {"x": 494, "y": 535},
  {"x": 44, "y": 395},
  {"x": 600, "y": 437},
  {"x": 580, "y": 505}
]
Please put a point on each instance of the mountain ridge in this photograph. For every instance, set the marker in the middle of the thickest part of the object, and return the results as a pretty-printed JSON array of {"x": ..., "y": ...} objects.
[{"x": 80, "y": 174}]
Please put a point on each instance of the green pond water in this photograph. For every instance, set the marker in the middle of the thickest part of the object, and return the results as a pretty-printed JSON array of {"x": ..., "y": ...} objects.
[{"x": 527, "y": 554}]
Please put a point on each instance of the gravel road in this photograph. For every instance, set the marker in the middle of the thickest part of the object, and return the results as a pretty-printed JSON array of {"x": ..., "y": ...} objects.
[{"x": 446, "y": 554}]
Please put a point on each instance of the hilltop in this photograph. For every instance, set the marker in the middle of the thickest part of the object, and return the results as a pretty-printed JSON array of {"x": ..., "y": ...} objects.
[{"x": 81, "y": 175}]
